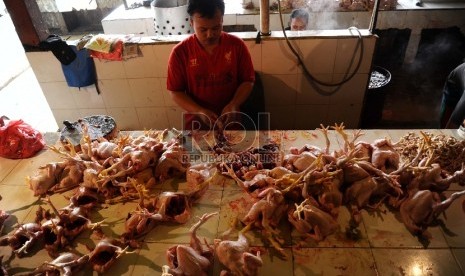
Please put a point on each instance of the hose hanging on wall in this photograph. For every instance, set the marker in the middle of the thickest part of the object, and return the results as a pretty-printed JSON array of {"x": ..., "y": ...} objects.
[{"x": 314, "y": 81}]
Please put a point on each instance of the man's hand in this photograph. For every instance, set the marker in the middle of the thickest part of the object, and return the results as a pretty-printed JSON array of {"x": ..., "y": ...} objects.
[
  {"x": 210, "y": 117},
  {"x": 230, "y": 114}
]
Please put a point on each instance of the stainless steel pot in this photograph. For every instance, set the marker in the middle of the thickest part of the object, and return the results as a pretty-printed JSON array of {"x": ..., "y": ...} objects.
[{"x": 171, "y": 17}]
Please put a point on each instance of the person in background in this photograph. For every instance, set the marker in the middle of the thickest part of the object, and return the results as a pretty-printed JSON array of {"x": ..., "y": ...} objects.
[
  {"x": 298, "y": 20},
  {"x": 452, "y": 112},
  {"x": 210, "y": 73}
]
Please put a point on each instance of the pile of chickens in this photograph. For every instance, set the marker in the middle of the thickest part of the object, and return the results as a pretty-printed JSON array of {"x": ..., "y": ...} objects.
[
  {"x": 364, "y": 5},
  {"x": 311, "y": 184},
  {"x": 104, "y": 172},
  {"x": 305, "y": 187}
]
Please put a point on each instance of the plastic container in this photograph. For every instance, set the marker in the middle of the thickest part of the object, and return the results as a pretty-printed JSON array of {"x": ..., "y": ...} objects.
[
  {"x": 375, "y": 97},
  {"x": 171, "y": 17}
]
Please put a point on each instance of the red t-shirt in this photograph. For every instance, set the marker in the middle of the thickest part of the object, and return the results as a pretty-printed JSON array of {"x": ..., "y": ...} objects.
[{"x": 210, "y": 80}]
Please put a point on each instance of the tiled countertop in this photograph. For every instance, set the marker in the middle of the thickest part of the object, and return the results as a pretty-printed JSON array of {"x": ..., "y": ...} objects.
[{"x": 385, "y": 246}]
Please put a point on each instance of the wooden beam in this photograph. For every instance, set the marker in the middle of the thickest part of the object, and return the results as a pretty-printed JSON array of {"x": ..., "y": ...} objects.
[{"x": 28, "y": 22}]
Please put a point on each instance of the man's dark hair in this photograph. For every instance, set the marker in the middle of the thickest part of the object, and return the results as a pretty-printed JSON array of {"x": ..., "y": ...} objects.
[
  {"x": 206, "y": 8},
  {"x": 300, "y": 13}
]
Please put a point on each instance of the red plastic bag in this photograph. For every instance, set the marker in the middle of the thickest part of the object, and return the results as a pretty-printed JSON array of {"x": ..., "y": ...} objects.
[{"x": 18, "y": 139}]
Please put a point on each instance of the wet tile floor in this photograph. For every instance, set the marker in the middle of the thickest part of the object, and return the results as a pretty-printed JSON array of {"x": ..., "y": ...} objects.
[{"x": 384, "y": 246}]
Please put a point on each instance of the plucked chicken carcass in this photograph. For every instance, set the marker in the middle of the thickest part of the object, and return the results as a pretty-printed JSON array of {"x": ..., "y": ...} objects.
[
  {"x": 384, "y": 156},
  {"x": 66, "y": 264},
  {"x": 102, "y": 150},
  {"x": 57, "y": 177},
  {"x": 85, "y": 197},
  {"x": 175, "y": 206},
  {"x": 255, "y": 181},
  {"x": 45, "y": 178},
  {"x": 237, "y": 257},
  {"x": 133, "y": 160},
  {"x": 193, "y": 259},
  {"x": 71, "y": 176},
  {"x": 266, "y": 214},
  {"x": 433, "y": 178},
  {"x": 23, "y": 238},
  {"x": 198, "y": 174},
  {"x": 73, "y": 219},
  {"x": 375, "y": 185},
  {"x": 54, "y": 238},
  {"x": 138, "y": 224},
  {"x": 3, "y": 269},
  {"x": 3, "y": 216},
  {"x": 298, "y": 162},
  {"x": 325, "y": 186},
  {"x": 311, "y": 221},
  {"x": 268, "y": 211},
  {"x": 172, "y": 162},
  {"x": 105, "y": 254},
  {"x": 422, "y": 207}
]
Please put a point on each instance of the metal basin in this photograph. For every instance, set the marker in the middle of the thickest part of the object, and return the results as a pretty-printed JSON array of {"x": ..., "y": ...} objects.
[{"x": 171, "y": 17}]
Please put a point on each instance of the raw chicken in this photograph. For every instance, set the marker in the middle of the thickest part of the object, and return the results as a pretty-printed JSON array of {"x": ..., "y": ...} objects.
[
  {"x": 434, "y": 179},
  {"x": 311, "y": 221},
  {"x": 384, "y": 156},
  {"x": 421, "y": 208},
  {"x": 23, "y": 238},
  {"x": 3, "y": 216},
  {"x": 192, "y": 259},
  {"x": 172, "y": 162},
  {"x": 67, "y": 264},
  {"x": 266, "y": 214},
  {"x": 54, "y": 238},
  {"x": 70, "y": 177},
  {"x": 105, "y": 254},
  {"x": 85, "y": 197},
  {"x": 325, "y": 186},
  {"x": 173, "y": 206},
  {"x": 268, "y": 211},
  {"x": 298, "y": 162},
  {"x": 73, "y": 219},
  {"x": 138, "y": 224},
  {"x": 237, "y": 258},
  {"x": 253, "y": 186},
  {"x": 45, "y": 178}
]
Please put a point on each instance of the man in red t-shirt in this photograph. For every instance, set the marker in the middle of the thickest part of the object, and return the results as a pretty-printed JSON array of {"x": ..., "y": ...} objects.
[{"x": 210, "y": 74}]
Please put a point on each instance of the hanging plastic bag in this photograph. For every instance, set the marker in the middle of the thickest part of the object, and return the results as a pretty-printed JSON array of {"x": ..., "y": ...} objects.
[{"x": 18, "y": 139}]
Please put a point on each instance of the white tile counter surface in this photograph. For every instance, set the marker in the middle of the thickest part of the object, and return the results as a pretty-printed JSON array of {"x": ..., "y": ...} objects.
[{"x": 385, "y": 246}]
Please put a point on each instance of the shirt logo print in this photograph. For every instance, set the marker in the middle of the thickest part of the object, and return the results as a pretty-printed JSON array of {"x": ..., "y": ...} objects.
[
  {"x": 193, "y": 62},
  {"x": 227, "y": 57}
]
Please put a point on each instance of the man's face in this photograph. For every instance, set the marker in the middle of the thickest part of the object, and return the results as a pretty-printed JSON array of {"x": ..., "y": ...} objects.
[
  {"x": 298, "y": 24},
  {"x": 207, "y": 30}
]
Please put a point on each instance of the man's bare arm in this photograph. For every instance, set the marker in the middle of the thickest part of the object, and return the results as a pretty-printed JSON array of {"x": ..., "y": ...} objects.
[
  {"x": 185, "y": 102},
  {"x": 241, "y": 95}
]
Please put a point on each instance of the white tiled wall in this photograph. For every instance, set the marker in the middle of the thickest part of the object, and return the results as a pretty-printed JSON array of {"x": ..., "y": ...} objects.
[
  {"x": 432, "y": 14},
  {"x": 134, "y": 91}
]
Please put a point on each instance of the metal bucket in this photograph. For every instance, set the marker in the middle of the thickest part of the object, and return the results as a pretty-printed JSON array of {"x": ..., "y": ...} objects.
[{"x": 171, "y": 17}]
